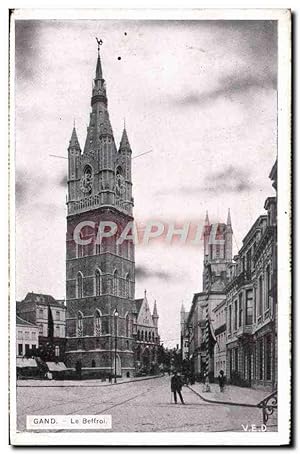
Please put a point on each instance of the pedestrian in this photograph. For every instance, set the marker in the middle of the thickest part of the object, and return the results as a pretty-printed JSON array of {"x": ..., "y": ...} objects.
[
  {"x": 221, "y": 379},
  {"x": 176, "y": 386}
]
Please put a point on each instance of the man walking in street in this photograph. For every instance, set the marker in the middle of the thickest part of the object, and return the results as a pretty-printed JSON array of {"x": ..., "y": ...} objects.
[
  {"x": 221, "y": 379},
  {"x": 176, "y": 386}
]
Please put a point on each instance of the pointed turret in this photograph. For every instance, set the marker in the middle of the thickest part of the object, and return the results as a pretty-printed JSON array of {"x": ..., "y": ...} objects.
[
  {"x": 228, "y": 237},
  {"x": 206, "y": 232},
  {"x": 74, "y": 142},
  {"x": 124, "y": 144},
  {"x": 228, "y": 222},
  {"x": 206, "y": 222},
  {"x": 74, "y": 151},
  {"x": 182, "y": 308},
  {"x": 155, "y": 315}
]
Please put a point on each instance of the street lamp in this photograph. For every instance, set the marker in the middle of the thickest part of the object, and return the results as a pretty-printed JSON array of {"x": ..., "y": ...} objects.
[{"x": 116, "y": 314}]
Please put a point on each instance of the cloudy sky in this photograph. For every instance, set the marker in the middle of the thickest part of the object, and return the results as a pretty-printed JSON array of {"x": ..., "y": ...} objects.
[{"x": 200, "y": 94}]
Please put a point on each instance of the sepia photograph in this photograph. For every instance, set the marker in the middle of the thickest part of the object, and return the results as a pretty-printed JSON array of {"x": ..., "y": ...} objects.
[{"x": 150, "y": 227}]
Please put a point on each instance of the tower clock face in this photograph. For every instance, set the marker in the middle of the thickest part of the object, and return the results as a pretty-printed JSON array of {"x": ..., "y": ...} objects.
[
  {"x": 120, "y": 183},
  {"x": 86, "y": 181}
]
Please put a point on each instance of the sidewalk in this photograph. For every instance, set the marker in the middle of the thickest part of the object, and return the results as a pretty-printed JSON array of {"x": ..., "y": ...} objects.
[
  {"x": 231, "y": 394},
  {"x": 79, "y": 383}
]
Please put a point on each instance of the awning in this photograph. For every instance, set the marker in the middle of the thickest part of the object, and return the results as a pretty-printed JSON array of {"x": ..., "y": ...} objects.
[
  {"x": 56, "y": 367},
  {"x": 26, "y": 362}
]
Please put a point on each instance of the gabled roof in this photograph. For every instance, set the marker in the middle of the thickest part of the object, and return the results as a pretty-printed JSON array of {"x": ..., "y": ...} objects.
[{"x": 138, "y": 304}]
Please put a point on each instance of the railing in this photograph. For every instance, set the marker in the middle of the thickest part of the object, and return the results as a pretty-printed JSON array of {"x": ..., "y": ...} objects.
[{"x": 268, "y": 406}]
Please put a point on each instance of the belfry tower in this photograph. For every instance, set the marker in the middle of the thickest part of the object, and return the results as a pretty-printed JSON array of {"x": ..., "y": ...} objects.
[
  {"x": 217, "y": 253},
  {"x": 100, "y": 276}
]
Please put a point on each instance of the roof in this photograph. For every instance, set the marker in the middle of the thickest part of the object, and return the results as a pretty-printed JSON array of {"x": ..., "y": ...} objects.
[
  {"x": 21, "y": 321},
  {"x": 249, "y": 236},
  {"x": 55, "y": 367},
  {"x": 221, "y": 304},
  {"x": 26, "y": 362},
  {"x": 42, "y": 299},
  {"x": 138, "y": 304}
]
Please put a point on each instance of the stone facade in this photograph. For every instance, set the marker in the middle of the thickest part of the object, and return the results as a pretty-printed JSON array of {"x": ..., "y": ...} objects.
[
  {"x": 27, "y": 337},
  {"x": 251, "y": 300},
  {"x": 220, "y": 333},
  {"x": 100, "y": 274},
  {"x": 48, "y": 314},
  {"x": 198, "y": 327},
  {"x": 146, "y": 335}
]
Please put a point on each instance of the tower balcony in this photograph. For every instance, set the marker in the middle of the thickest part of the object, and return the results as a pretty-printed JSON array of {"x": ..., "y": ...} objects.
[{"x": 96, "y": 201}]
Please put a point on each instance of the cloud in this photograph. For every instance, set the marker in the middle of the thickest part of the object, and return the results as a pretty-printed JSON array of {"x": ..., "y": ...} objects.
[
  {"x": 142, "y": 272},
  {"x": 63, "y": 181},
  {"x": 21, "y": 189},
  {"x": 230, "y": 180},
  {"x": 229, "y": 87},
  {"x": 27, "y": 47}
]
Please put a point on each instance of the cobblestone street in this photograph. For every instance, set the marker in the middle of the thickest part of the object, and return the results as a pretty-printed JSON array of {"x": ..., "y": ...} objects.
[{"x": 141, "y": 406}]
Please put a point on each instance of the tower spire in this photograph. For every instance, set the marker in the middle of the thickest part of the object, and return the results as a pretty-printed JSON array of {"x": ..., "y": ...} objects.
[
  {"x": 228, "y": 217},
  {"x": 155, "y": 313},
  {"x": 206, "y": 222},
  {"x": 98, "y": 67}
]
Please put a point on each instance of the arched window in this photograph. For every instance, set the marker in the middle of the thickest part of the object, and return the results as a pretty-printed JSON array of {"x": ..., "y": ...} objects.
[
  {"x": 79, "y": 324},
  {"x": 146, "y": 336},
  {"x": 97, "y": 323},
  {"x": 79, "y": 285},
  {"x": 127, "y": 326},
  {"x": 93, "y": 363},
  {"x": 116, "y": 283},
  {"x": 127, "y": 286},
  {"x": 142, "y": 336},
  {"x": 56, "y": 350},
  {"x": 138, "y": 335},
  {"x": 98, "y": 283},
  {"x": 152, "y": 337}
]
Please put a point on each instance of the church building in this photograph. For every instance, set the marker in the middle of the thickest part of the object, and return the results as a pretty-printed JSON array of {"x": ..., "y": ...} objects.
[{"x": 100, "y": 275}]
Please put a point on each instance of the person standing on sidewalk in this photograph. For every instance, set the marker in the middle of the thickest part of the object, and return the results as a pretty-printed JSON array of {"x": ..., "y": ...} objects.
[
  {"x": 221, "y": 379},
  {"x": 176, "y": 386}
]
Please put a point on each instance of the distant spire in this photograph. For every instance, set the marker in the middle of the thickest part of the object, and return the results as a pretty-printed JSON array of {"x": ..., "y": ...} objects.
[
  {"x": 182, "y": 308},
  {"x": 145, "y": 293},
  {"x": 228, "y": 217},
  {"x": 229, "y": 226},
  {"x": 206, "y": 222},
  {"x": 155, "y": 313}
]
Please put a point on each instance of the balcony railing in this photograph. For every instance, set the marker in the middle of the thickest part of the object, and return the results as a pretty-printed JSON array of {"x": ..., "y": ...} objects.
[{"x": 244, "y": 330}]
